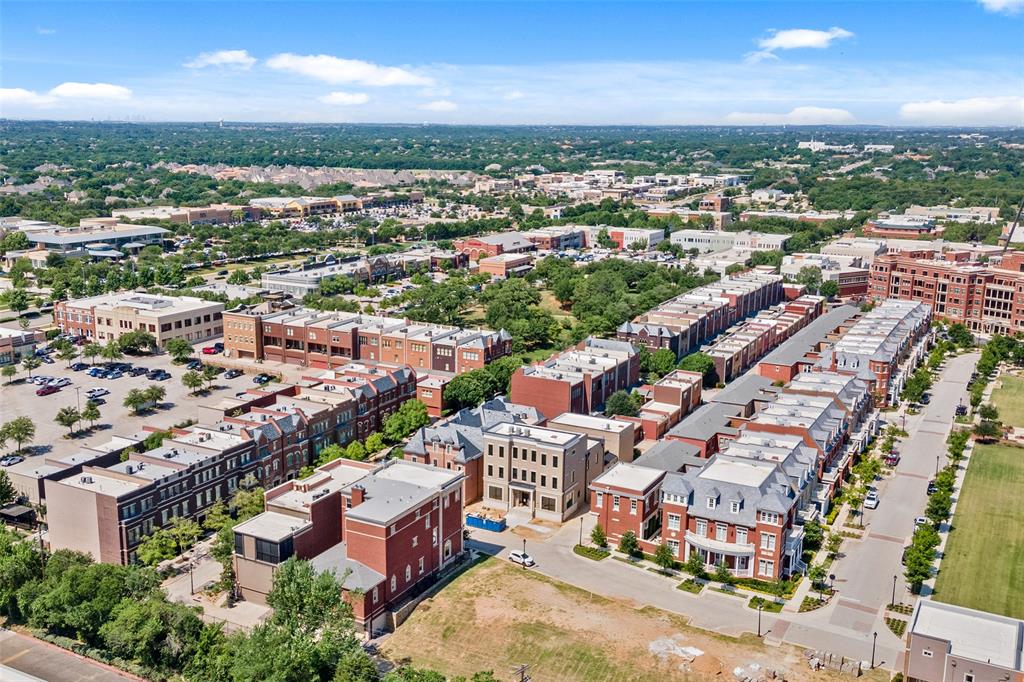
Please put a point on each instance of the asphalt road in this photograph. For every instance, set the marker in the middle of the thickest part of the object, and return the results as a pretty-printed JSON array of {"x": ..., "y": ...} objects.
[{"x": 51, "y": 663}]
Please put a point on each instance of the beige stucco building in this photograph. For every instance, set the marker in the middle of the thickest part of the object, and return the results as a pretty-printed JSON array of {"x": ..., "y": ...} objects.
[{"x": 110, "y": 316}]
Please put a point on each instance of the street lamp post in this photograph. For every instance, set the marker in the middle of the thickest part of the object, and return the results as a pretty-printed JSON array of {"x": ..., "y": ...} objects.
[
  {"x": 936, "y": 465},
  {"x": 524, "y": 554},
  {"x": 760, "y": 606},
  {"x": 581, "y": 531},
  {"x": 893, "y": 602},
  {"x": 874, "y": 640}
]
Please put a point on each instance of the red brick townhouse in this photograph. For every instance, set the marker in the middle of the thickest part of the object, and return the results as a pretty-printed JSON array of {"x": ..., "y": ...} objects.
[
  {"x": 579, "y": 379},
  {"x": 326, "y": 340},
  {"x": 378, "y": 391},
  {"x": 494, "y": 245},
  {"x": 387, "y": 531},
  {"x": 735, "y": 510}
]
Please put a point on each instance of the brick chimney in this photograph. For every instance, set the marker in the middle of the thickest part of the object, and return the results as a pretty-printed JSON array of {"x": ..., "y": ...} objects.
[{"x": 358, "y": 495}]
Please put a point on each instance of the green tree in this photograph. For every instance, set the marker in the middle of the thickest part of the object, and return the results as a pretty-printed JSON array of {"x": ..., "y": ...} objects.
[
  {"x": 20, "y": 562},
  {"x": 21, "y": 430},
  {"x": 702, "y": 364},
  {"x": 829, "y": 289},
  {"x": 67, "y": 354},
  {"x": 180, "y": 349},
  {"x": 31, "y": 362},
  {"x": 238, "y": 276},
  {"x": 833, "y": 542},
  {"x": 468, "y": 389},
  {"x": 598, "y": 537},
  {"x": 810, "y": 277},
  {"x": 137, "y": 340},
  {"x": 620, "y": 403},
  {"x": 812, "y": 535},
  {"x": 409, "y": 417},
  {"x": 192, "y": 381},
  {"x": 7, "y": 492},
  {"x": 695, "y": 564},
  {"x": 68, "y": 417},
  {"x": 135, "y": 400},
  {"x": 209, "y": 375},
  {"x": 156, "y": 547},
  {"x": 817, "y": 574},
  {"x": 92, "y": 350},
  {"x": 16, "y": 299},
  {"x": 628, "y": 544},
  {"x": 355, "y": 451},
  {"x": 939, "y": 505},
  {"x": 988, "y": 412},
  {"x": 185, "y": 532},
  {"x": 722, "y": 573},
  {"x": 960, "y": 335},
  {"x": 663, "y": 557},
  {"x": 153, "y": 631},
  {"x": 8, "y": 371},
  {"x": 154, "y": 393},
  {"x": 988, "y": 430},
  {"x": 374, "y": 443},
  {"x": 329, "y": 454},
  {"x": 112, "y": 351}
]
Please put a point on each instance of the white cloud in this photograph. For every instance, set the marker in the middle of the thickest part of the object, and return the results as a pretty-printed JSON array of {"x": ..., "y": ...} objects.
[
  {"x": 439, "y": 105},
  {"x": 345, "y": 99},
  {"x": 331, "y": 69},
  {"x": 1006, "y": 6},
  {"x": 798, "y": 116},
  {"x": 72, "y": 90},
  {"x": 795, "y": 38},
  {"x": 16, "y": 96},
  {"x": 971, "y": 111},
  {"x": 237, "y": 59},
  {"x": 43, "y": 31},
  {"x": 514, "y": 95}
]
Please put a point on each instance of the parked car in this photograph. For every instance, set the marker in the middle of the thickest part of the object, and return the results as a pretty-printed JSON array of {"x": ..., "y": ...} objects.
[
  {"x": 871, "y": 500},
  {"x": 46, "y": 359},
  {"x": 210, "y": 350},
  {"x": 97, "y": 372},
  {"x": 518, "y": 556},
  {"x": 96, "y": 392},
  {"x": 961, "y": 410},
  {"x": 261, "y": 379},
  {"x": 232, "y": 373},
  {"x": 932, "y": 487},
  {"x": 158, "y": 375},
  {"x": 46, "y": 390},
  {"x": 79, "y": 366},
  {"x": 137, "y": 371},
  {"x": 925, "y": 398},
  {"x": 40, "y": 379},
  {"x": 194, "y": 365},
  {"x": 10, "y": 460},
  {"x": 96, "y": 401},
  {"x": 892, "y": 459},
  {"x": 921, "y": 521},
  {"x": 59, "y": 382},
  {"x": 116, "y": 374}
]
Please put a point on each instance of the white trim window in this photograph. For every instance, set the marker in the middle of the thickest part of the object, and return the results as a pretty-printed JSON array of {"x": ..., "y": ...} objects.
[
  {"x": 766, "y": 567},
  {"x": 615, "y": 503},
  {"x": 632, "y": 506},
  {"x": 599, "y": 500},
  {"x": 768, "y": 541},
  {"x": 702, "y": 528},
  {"x": 673, "y": 521}
]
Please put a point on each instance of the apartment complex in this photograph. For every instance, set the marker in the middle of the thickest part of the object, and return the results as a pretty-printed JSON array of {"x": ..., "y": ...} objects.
[
  {"x": 683, "y": 323},
  {"x": 305, "y": 207},
  {"x": 309, "y": 277},
  {"x": 110, "y": 316},
  {"x": 579, "y": 379},
  {"x": 947, "y": 643},
  {"x": 538, "y": 471},
  {"x": 986, "y": 298},
  {"x": 330, "y": 339},
  {"x": 376, "y": 391},
  {"x": 386, "y": 531},
  {"x": 669, "y": 400}
]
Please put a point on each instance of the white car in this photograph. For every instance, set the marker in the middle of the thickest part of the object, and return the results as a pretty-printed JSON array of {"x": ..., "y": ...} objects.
[
  {"x": 520, "y": 557},
  {"x": 871, "y": 500},
  {"x": 921, "y": 521},
  {"x": 59, "y": 382},
  {"x": 97, "y": 392},
  {"x": 40, "y": 379}
]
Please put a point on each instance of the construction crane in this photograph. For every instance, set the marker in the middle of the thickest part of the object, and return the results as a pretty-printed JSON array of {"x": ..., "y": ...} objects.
[{"x": 1013, "y": 228}]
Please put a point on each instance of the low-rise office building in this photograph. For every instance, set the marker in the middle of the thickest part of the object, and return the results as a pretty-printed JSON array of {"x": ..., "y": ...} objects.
[
  {"x": 506, "y": 265},
  {"x": 18, "y": 343},
  {"x": 111, "y": 316},
  {"x": 494, "y": 245}
]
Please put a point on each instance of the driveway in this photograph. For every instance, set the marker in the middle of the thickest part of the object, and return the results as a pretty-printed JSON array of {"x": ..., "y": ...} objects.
[{"x": 51, "y": 663}]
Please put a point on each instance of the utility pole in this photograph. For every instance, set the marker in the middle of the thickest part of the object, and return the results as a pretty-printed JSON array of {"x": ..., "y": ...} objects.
[{"x": 522, "y": 672}]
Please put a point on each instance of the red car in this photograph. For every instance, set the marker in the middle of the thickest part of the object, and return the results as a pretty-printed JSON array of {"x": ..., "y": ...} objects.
[
  {"x": 47, "y": 390},
  {"x": 214, "y": 349}
]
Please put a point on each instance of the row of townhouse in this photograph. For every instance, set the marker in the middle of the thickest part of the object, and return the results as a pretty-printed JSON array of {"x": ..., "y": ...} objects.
[
  {"x": 265, "y": 437},
  {"x": 988, "y": 298},
  {"x": 737, "y": 350},
  {"x": 578, "y": 379},
  {"x": 108, "y": 317},
  {"x": 301, "y": 336},
  {"x": 308, "y": 278},
  {"x": 387, "y": 531},
  {"x": 683, "y": 323},
  {"x": 737, "y": 479}
]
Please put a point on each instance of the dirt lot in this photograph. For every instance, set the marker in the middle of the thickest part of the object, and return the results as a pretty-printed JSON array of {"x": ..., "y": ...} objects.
[{"x": 497, "y": 616}]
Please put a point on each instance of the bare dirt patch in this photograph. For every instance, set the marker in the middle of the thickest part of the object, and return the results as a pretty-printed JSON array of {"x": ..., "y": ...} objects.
[{"x": 497, "y": 616}]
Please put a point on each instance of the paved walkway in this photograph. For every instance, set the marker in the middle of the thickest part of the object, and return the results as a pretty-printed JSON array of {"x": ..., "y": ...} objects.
[{"x": 51, "y": 663}]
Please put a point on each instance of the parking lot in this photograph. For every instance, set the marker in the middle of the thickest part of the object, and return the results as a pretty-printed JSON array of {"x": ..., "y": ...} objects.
[{"x": 20, "y": 399}]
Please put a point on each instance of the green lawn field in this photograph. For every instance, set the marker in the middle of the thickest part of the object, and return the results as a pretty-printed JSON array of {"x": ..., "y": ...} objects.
[
  {"x": 983, "y": 567},
  {"x": 1009, "y": 399}
]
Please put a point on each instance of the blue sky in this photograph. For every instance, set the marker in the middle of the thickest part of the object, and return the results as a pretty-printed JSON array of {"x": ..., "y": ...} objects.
[{"x": 953, "y": 62}]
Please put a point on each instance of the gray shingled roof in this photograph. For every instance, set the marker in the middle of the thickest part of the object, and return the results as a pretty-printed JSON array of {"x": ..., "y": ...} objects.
[
  {"x": 671, "y": 455},
  {"x": 747, "y": 388},
  {"x": 706, "y": 421},
  {"x": 797, "y": 346}
]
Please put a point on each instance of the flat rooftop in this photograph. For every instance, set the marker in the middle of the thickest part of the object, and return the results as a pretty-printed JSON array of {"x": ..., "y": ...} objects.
[
  {"x": 272, "y": 526},
  {"x": 975, "y": 635},
  {"x": 535, "y": 433},
  {"x": 629, "y": 477},
  {"x": 746, "y": 472},
  {"x": 588, "y": 422}
]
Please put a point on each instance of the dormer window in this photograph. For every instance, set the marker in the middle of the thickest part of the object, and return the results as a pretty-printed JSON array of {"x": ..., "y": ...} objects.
[
  {"x": 734, "y": 507},
  {"x": 712, "y": 502}
]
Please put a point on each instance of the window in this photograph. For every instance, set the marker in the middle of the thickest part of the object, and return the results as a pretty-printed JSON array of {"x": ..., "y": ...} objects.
[
  {"x": 427, "y": 521},
  {"x": 927, "y": 653},
  {"x": 702, "y": 528},
  {"x": 741, "y": 536},
  {"x": 673, "y": 521},
  {"x": 766, "y": 567},
  {"x": 734, "y": 507},
  {"x": 547, "y": 503},
  {"x": 712, "y": 502},
  {"x": 394, "y": 583},
  {"x": 968, "y": 677},
  {"x": 376, "y": 594},
  {"x": 493, "y": 492},
  {"x": 415, "y": 540},
  {"x": 554, "y": 460},
  {"x": 408, "y": 573},
  {"x": 421, "y": 565},
  {"x": 769, "y": 517},
  {"x": 674, "y": 546},
  {"x": 599, "y": 502},
  {"x": 721, "y": 532},
  {"x": 632, "y": 507},
  {"x": 768, "y": 541},
  {"x": 615, "y": 503},
  {"x": 554, "y": 482}
]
